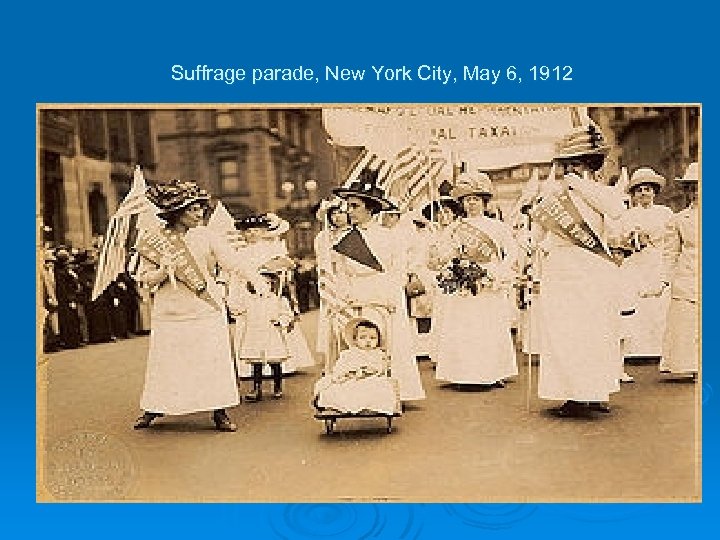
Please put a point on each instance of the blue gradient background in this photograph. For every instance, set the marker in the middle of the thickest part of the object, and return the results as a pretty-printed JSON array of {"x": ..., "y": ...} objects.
[{"x": 122, "y": 53}]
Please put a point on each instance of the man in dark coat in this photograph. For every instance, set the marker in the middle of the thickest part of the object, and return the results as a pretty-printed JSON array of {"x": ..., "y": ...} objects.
[{"x": 67, "y": 287}]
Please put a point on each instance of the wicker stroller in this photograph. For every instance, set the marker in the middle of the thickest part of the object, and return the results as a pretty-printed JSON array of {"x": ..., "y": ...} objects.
[{"x": 357, "y": 381}]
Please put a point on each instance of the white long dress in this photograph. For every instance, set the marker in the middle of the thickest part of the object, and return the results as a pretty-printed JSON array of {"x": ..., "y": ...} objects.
[
  {"x": 647, "y": 328},
  {"x": 682, "y": 339},
  {"x": 364, "y": 285},
  {"x": 627, "y": 299},
  {"x": 190, "y": 366},
  {"x": 257, "y": 254},
  {"x": 578, "y": 309},
  {"x": 474, "y": 343}
]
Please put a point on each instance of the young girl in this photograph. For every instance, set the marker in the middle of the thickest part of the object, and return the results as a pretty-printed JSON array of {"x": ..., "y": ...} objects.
[
  {"x": 263, "y": 247},
  {"x": 358, "y": 380},
  {"x": 264, "y": 318}
]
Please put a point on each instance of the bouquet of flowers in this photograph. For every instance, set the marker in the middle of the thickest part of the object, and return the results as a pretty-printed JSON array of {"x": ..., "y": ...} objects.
[{"x": 463, "y": 276}]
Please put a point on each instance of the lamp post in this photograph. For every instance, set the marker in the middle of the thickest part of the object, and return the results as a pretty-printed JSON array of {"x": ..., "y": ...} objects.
[
  {"x": 311, "y": 187},
  {"x": 287, "y": 188}
]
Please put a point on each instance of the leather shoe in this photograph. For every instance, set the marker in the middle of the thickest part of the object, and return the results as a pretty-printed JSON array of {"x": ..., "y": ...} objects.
[
  {"x": 145, "y": 420},
  {"x": 599, "y": 407},
  {"x": 223, "y": 422},
  {"x": 570, "y": 409}
]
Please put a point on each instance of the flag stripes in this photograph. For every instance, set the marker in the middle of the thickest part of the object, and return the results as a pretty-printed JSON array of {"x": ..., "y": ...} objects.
[
  {"x": 410, "y": 176},
  {"x": 122, "y": 233}
]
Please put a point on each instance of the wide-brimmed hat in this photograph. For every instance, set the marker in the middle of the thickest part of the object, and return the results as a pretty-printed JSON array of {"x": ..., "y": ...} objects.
[
  {"x": 472, "y": 184},
  {"x": 370, "y": 315},
  {"x": 176, "y": 195},
  {"x": 365, "y": 187},
  {"x": 269, "y": 222},
  {"x": 277, "y": 265},
  {"x": 645, "y": 175},
  {"x": 583, "y": 141},
  {"x": 692, "y": 173},
  {"x": 442, "y": 202}
]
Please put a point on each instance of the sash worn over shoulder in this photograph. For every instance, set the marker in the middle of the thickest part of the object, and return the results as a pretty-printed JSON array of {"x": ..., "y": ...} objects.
[
  {"x": 467, "y": 236},
  {"x": 159, "y": 243},
  {"x": 560, "y": 214}
]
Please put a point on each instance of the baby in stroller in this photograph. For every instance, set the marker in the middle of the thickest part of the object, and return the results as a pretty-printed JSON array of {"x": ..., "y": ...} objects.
[{"x": 359, "y": 382}]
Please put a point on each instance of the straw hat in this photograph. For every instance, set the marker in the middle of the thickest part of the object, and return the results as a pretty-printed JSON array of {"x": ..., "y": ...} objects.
[
  {"x": 472, "y": 184},
  {"x": 582, "y": 142},
  {"x": 645, "y": 175},
  {"x": 176, "y": 195},
  {"x": 692, "y": 173}
]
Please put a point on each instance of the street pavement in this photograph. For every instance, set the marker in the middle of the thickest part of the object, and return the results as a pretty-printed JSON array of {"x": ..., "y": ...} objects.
[{"x": 457, "y": 445}]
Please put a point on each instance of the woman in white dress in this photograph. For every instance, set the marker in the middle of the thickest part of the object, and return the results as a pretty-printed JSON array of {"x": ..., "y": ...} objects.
[
  {"x": 578, "y": 307},
  {"x": 439, "y": 215},
  {"x": 189, "y": 366},
  {"x": 643, "y": 227},
  {"x": 680, "y": 272},
  {"x": 370, "y": 269},
  {"x": 474, "y": 343},
  {"x": 335, "y": 224}
]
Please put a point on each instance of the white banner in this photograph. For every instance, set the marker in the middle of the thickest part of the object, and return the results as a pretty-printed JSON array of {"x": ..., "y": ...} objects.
[{"x": 485, "y": 136}]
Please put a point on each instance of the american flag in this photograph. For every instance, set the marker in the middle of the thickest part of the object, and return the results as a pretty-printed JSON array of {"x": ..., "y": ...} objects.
[
  {"x": 135, "y": 212},
  {"x": 372, "y": 161},
  {"x": 410, "y": 177},
  {"x": 415, "y": 175}
]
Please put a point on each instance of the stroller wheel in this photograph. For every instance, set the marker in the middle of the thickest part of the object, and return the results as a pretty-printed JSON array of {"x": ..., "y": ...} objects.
[
  {"x": 329, "y": 425},
  {"x": 389, "y": 424}
]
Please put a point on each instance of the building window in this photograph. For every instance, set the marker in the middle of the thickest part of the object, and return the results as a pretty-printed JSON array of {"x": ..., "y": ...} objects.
[
  {"x": 230, "y": 177},
  {"x": 274, "y": 121},
  {"x": 289, "y": 127},
  {"x": 91, "y": 125},
  {"x": 143, "y": 139},
  {"x": 302, "y": 132},
  {"x": 98, "y": 212},
  {"x": 119, "y": 137},
  {"x": 223, "y": 119},
  {"x": 53, "y": 197},
  {"x": 278, "y": 164}
]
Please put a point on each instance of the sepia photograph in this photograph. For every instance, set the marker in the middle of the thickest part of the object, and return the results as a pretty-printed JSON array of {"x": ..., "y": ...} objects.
[{"x": 453, "y": 303}]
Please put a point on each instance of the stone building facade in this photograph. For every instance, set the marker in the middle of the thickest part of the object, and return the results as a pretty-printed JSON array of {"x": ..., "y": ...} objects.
[
  {"x": 253, "y": 160},
  {"x": 85, "y": 164}
]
